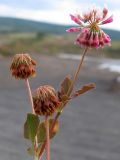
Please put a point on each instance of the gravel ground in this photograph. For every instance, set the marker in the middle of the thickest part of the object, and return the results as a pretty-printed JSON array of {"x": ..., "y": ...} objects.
[{"x": 89, "y": 126}]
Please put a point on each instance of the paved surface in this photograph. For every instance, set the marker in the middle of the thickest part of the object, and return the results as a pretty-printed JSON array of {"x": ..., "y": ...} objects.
[{"x": 89, "y": 126}]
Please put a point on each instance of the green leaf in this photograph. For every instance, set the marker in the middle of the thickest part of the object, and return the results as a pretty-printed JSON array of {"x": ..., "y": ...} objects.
[
  {"x": 65, "y": 85},
  {"x": 41, "y": 133},
  {"x": 30, "y": 151},
  {"x": 31, "y": 126},
  {"x": 55, "y": 129},
  {"x": 65, "y": 98}
]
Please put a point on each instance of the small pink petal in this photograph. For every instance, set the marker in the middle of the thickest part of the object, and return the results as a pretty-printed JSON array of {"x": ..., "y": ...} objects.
[
  {"x": 90, "y": 42},
  {"x": 96, "y": 41},
  {"x": 73, "y": 29},
  {"x": 76, "y": 19},
  {"x": 80, "y": 18},
  {"x": 106, "y": 38},
  {"x": 108, "y": 20},
  {"x": 83, "y": 38}
]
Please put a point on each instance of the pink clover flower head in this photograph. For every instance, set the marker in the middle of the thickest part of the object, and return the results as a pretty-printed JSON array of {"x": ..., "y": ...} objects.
[{"x": 91, "y": 35}]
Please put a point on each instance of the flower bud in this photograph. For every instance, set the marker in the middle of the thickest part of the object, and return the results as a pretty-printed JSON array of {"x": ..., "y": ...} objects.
[
  {"x": 45, "y": 101},
  {"x": 22, "y": 66},
  {"x": 105, "y": 12}
]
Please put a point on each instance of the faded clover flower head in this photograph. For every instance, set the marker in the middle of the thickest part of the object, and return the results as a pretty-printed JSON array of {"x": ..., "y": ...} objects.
[
  {"x": 91, "y": 35},
  {"x": 45, "y": 100},
  {"x": 22, "y": 66}
]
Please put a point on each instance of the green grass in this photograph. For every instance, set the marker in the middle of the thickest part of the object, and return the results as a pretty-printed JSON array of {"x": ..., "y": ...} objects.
[{"x": 48, "y": 44}]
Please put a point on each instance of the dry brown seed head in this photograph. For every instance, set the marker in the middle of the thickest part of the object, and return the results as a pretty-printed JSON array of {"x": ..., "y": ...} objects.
[
  {"x": 22, "y": 66},
  {"x": 45, "y": 100}
]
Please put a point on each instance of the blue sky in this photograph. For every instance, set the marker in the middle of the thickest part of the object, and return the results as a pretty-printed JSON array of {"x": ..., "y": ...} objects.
[{"x": 56, "y": 11}]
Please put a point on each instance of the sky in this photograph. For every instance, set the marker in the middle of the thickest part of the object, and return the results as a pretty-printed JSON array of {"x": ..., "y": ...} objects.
[{"x": 57, "y": 11}]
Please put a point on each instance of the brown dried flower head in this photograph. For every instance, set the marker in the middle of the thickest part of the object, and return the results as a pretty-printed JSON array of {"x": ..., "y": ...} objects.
[
  {"x": 22, "y": 66},
  {"x": 45, "y": 101}
]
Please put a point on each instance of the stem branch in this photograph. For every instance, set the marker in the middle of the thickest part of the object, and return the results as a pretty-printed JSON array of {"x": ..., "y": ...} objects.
[{"x": 68, "y": 93}]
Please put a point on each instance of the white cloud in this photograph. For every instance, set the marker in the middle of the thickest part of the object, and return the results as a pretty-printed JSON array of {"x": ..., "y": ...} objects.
[
  {"x": 115, "y": 1},
  {"x": 54, "y": 16},
  {"x": 116, "y": 22},
  {"x": 59, "y": 15},
  {"x": 4, "y": 9}
]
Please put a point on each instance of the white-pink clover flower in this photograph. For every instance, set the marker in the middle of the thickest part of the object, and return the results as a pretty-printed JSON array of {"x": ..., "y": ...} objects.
[{"x": 91, "y": 35}]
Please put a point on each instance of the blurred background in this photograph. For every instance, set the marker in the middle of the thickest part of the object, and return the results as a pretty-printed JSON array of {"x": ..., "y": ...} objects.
[{"x": 89, "y": 126}]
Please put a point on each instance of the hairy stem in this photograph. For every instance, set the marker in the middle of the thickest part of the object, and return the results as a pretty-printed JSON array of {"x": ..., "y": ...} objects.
[
  {"x": 75, "y": 77},
  {"x": 47, "y": 139},
  {"x": 68, "y": 93},
  {"x": 44, "y": 144},
  {"x": 30, "y": 95}
]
